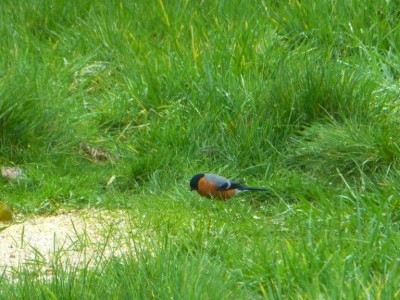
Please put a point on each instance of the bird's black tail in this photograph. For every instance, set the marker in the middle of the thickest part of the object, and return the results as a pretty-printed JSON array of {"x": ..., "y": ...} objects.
[{"x": 249, "y": 188}]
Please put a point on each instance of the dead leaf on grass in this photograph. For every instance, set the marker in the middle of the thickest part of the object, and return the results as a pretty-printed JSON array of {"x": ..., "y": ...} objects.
[{"x": 99, "y": 154}]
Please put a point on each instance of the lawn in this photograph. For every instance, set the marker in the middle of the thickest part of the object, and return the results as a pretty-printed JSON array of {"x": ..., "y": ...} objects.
[{"x": 115, "y": 105}]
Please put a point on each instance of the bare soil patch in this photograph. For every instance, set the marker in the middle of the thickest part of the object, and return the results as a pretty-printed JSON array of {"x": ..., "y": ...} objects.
[{"x": 78, "y": 238}]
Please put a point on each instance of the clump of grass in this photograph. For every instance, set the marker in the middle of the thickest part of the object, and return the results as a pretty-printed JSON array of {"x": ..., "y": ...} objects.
[
  {"x": 306, "y": 88},
  {"x": 348, "y": 149},
  {"x": 340, "y": 27},
  {"x": 24, "y": 118}
]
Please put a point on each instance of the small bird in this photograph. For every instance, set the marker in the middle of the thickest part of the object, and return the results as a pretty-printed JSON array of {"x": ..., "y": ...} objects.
[{"x": 215, "y": 186}]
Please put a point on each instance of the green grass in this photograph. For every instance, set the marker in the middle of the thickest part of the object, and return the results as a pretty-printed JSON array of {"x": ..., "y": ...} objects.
[{"x": 298, "y": 96}]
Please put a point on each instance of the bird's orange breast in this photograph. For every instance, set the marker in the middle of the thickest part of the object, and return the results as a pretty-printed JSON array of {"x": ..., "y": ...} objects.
[{"x": 209, "y": 189}]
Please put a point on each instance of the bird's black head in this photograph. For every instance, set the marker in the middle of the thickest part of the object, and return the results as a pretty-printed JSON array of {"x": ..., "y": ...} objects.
[{"x": 194, "y": 182}]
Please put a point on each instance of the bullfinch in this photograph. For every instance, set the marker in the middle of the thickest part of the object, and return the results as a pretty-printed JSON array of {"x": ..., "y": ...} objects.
[{"x": 215, "y": 186}]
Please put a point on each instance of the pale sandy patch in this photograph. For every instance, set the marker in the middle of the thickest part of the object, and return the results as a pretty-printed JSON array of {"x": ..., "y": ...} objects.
[{"x": 78, "y": 238}]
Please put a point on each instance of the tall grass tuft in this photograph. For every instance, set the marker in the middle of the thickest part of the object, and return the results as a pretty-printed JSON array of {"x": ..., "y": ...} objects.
[{"x": 350, "y": 149}]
